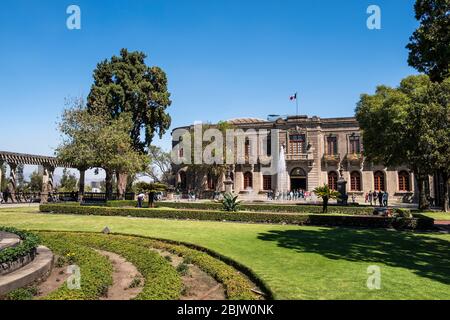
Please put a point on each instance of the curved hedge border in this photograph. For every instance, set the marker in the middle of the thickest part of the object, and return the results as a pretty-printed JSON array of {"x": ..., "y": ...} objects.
[
  {"x": 162, "y": 284},
  {"x": 419, "y": 223},
  {"x": 237, "y": 286},
  {"x": 267, "y": 207},
  {"x": 162, "y": 281},
  {"x": 96, "y": 270},
  {"x": 27, "y": 247}
]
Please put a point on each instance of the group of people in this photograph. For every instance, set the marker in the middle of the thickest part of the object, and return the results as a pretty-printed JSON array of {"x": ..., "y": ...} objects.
[
  {"x": 298, "y": 194},
  {"x": 381, "y": 196}
]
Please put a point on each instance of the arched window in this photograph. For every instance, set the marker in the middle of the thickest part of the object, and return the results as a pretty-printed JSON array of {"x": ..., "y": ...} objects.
[
  {"x": 403, "y": 181},
  {"x": 211, "y": 182},
  {"x": 332, "y": 180},
  {"x": 183, "y": 183},
  {"x": 248, "y": 180},
  {"x": 355, "y": 181},
  {"x": 378, "y": 179}
]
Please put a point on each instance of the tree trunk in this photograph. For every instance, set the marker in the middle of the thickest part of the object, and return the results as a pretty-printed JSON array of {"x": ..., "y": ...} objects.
[
  {"x": 151, "y": 200},
  {"x": 445, "y": 200},
  {"x": 108, "y": 184},
  {"x": 122, "y": 179},
  {"x": 325, "y": 205},
  {"x": 423, "y": 201}
]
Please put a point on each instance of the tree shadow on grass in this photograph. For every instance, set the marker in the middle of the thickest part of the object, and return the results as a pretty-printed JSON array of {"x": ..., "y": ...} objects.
[{"x": 425, "y": 256}]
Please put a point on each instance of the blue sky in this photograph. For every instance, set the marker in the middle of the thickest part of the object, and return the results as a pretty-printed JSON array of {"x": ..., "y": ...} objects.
[{"x": 223, "y": 59}]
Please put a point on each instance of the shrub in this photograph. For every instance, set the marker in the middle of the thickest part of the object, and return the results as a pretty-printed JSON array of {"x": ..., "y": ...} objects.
[
  {"x": 230, "y": 203},
  {"x": 246, "y": 216}
]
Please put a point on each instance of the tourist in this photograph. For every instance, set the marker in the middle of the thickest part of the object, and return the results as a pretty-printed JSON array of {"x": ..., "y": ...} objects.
[
  {"x": 1, "y": 197},
  {"x": 370, "y": 197},
  {"x": 385, "y": 199},
  {"x": 140, "y": 199},
  {"x": 380, "y": 198},
  {"x": 366, "y": 198},
  {"x": 374, "y": 197},
  {"x": 353, "y": 198}
]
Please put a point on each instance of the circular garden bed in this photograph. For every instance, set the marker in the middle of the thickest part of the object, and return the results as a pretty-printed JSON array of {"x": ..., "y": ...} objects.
[{"x": 111, "y": 266}]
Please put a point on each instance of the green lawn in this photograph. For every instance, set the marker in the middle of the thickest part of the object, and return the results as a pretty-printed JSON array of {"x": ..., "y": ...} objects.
[
  {"x": 295, "y": 262},
  {"x": 437, "y": 215}
]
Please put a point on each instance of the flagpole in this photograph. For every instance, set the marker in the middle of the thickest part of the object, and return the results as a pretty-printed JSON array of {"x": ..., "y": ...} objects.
[{"x": 296, "y": 101}]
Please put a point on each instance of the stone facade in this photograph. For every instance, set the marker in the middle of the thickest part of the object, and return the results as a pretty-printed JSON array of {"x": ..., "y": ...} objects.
[{"x": 318, "y": 151}]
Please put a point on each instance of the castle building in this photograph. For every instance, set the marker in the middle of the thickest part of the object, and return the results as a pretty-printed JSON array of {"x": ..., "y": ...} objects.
[{"x": 317, "y": 151}]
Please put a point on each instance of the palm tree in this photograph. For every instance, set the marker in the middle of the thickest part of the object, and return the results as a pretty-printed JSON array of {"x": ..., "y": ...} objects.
[{"x": 326, "y": 194}]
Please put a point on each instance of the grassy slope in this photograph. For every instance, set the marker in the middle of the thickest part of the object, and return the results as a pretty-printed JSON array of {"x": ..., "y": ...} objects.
[{"x": 296, "y": 262}]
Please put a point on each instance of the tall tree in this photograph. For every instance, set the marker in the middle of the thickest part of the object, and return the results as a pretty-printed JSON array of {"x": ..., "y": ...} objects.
[
  {"x": 36, "y": 181},
  {"x": 429, "y": 47},
  {"x": 126, "y": 84},
  {"x": 405, "y": 125},
  {"x": 92, "y": 139},
  {"x": 68, "y": 181},
  {"x": 160, "y": 168}
]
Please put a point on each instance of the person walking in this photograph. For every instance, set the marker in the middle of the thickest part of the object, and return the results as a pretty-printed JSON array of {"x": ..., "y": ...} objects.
[
  {"x": 370, "y": 197},
  {"x": 385, "y": 199},
  {"x": 380, "y": 198}
]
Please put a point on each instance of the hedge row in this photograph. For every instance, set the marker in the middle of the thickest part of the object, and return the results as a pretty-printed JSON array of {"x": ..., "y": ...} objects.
[
  {"x": 266, "y": 207},
  {"x": 247, "y": 216},
  {"x": 237, "y": 286},
  {"x": 95, "y": 269},
  {"x": 27, "y": 247},
  {"x": 161, "y": 279},
  {"x": 162, "y": 282}
]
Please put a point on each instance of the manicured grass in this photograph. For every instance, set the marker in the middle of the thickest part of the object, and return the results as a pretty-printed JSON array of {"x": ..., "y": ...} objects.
[
  {"x": 437, "y": 215},
  {"x": 295, "y": 262}
]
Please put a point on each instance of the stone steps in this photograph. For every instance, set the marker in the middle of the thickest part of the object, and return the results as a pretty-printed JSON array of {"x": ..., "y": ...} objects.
[{"x": 28, "y": 274}]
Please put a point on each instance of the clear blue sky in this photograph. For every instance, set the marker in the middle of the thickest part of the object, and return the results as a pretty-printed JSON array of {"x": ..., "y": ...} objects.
[{"x": 224, "y": 58}]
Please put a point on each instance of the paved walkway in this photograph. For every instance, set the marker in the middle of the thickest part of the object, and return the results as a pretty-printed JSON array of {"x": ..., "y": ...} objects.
[{"x": 18, "y": 205}]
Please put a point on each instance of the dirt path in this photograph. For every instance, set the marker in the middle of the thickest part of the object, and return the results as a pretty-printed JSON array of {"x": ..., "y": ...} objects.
[
  {"x": 53, "y": 281},
  {"x": 198, "y": 285},
  {"x": 127, "y": 281}
]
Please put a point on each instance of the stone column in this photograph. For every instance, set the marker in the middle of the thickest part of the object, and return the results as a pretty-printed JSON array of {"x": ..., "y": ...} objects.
[
  {"x": 12, "y": 181},
  {"x": 81, "y": 184},
  {"x": 47, "y": 183}
]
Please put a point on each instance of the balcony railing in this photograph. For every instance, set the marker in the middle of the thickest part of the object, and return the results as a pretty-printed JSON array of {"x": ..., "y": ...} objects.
[
  {"x": 356, "y": 158},
  {"x": 332, "y": 158}
]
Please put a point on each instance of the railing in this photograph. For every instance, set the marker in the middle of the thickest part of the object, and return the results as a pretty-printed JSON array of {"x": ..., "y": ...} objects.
[
  {"x": 332, "y": 157},
  {"x": 35, "y": 197},
  {"x": 296, "y": 156}
]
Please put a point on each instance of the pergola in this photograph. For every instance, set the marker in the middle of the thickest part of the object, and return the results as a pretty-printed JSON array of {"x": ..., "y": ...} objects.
[{"x": 12, "y": 159}]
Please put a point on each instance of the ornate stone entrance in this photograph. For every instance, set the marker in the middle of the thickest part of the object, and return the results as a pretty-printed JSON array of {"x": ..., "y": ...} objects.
[{"x": 299, "y": 179}]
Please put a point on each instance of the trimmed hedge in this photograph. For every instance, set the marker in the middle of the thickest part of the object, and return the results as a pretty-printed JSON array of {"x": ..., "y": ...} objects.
[
  {"x": 27, "y": 247},
  {"x": 95, "y": 269},
  {"x": 267, "y": 207},
  {"x": 237, "y": 286},
  {"x": 247, "y": 216},
  {"x": 162, "y": 282}
]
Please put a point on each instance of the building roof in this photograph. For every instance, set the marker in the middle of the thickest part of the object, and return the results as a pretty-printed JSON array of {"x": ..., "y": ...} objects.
[{"x": 246, "y": 120}]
